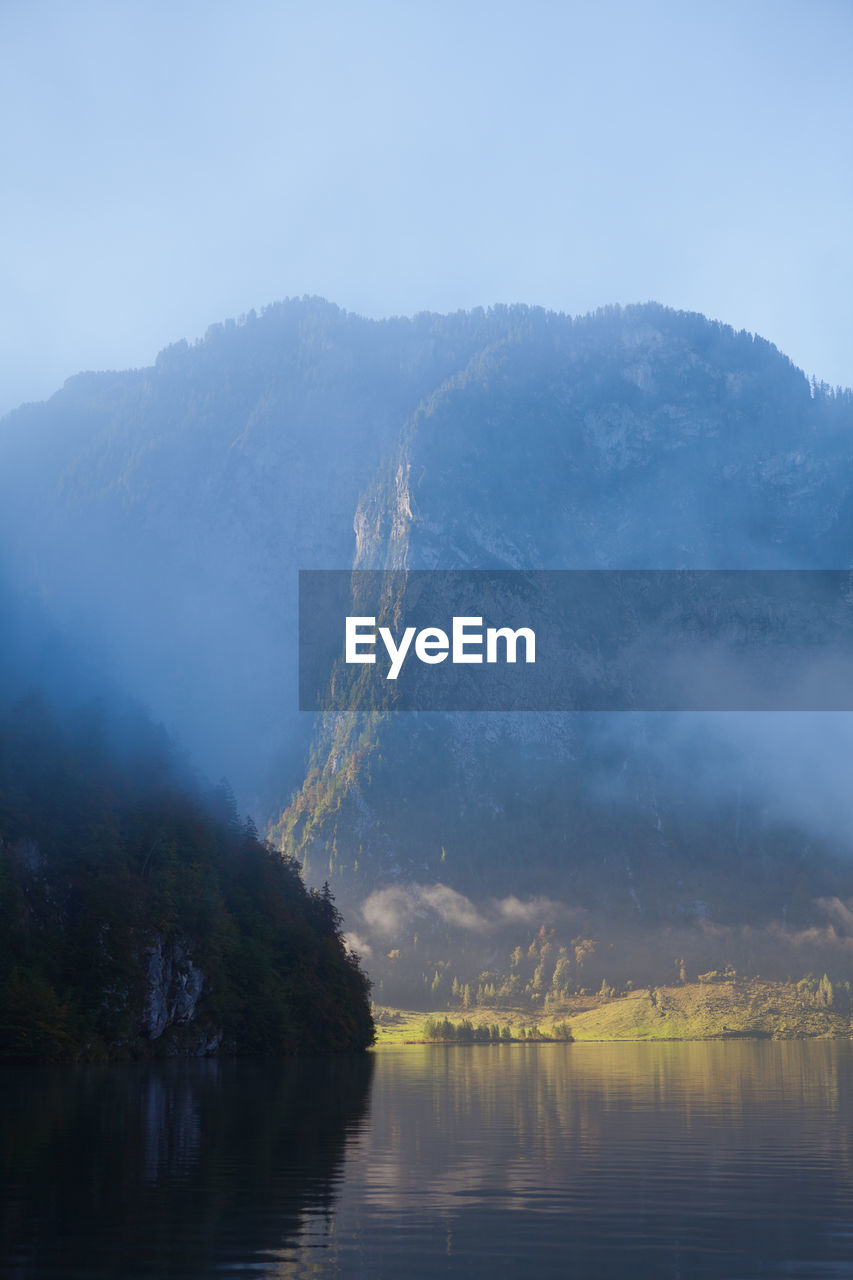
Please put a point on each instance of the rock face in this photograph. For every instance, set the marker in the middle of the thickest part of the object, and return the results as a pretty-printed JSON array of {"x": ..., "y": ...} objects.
[
  {"x": 631, "y": 439},
  {"x": 175, "y": 986}
]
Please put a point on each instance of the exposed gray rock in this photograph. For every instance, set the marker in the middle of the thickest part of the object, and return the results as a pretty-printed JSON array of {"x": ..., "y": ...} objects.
[{"x": 174, "y": 987}]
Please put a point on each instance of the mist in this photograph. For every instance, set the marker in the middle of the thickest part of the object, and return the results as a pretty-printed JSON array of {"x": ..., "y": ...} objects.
[
  {"x": 426, "y": 943},
  {"x": 792, "y": 768}
]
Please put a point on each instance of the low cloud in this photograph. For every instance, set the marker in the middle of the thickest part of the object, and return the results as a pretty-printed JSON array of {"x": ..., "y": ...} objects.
[
  {"x": 358, "y": 946},
  {"x": 839, "y": 913},
  {"x": 452, "y": 907},
  {"x": 534, "y": 911},
  {"x": 389, "y": 911},
  {"x": 793, "y": 768}
]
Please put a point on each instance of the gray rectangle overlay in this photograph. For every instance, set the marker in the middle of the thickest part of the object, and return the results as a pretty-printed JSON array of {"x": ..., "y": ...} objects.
[{"x": 604, "y": 640}]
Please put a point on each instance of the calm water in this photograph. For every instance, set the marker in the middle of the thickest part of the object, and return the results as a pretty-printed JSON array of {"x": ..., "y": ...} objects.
[{"x": 725, "y": 1160}]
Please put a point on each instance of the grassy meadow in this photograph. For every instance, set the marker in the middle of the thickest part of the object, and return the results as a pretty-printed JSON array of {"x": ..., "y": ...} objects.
[{"x": 693, "y": 1011}]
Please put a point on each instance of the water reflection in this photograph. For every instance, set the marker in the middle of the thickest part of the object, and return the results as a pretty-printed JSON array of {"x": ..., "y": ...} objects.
[
  {"x": 660, "y": 1160},
  {"x": 716, "y": 1159},
  {"x": 184, "y": 1169}
]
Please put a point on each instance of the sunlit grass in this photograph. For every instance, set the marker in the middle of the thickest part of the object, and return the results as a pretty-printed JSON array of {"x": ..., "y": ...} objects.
[{"x": 694, "y": 1011}]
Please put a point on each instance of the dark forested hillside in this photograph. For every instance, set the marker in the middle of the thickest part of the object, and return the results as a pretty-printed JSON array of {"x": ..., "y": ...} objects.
[{"x": 138, "y": 914}]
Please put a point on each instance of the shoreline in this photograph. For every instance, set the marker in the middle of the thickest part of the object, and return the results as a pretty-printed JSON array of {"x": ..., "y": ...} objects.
[{"x": 731, "y": 1009}]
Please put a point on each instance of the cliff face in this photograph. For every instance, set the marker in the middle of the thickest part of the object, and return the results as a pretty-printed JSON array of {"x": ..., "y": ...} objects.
[
  {"x": 642, "y": 438},
  {"x": 174, "y": 986},
  {"x": 632, "y": 439}
]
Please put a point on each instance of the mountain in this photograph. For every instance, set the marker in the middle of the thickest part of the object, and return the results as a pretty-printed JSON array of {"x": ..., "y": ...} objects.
[{"x": 164, "y": 513}]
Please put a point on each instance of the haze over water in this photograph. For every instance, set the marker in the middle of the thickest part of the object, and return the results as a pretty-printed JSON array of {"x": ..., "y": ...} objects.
[{"x": 727, "y": 1159}]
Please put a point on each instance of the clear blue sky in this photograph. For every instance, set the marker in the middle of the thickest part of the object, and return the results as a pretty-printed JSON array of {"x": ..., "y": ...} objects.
[{"x": 166, "y": 165}]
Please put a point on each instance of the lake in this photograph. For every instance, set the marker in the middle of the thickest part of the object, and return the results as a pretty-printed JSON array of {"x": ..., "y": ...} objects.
[{"x": 727, "y": 1159}]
